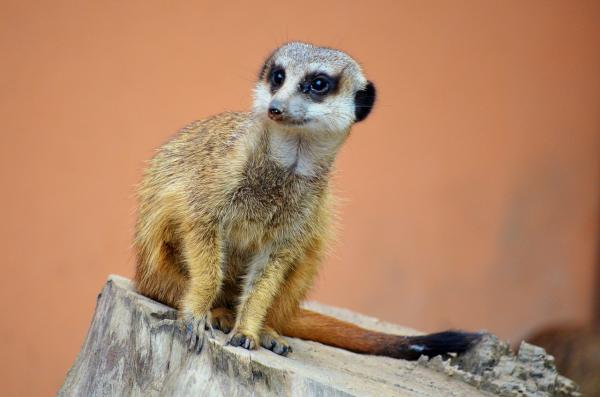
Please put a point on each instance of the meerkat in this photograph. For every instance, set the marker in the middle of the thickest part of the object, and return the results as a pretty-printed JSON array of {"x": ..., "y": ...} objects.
[{"x": 235, "y": 212}]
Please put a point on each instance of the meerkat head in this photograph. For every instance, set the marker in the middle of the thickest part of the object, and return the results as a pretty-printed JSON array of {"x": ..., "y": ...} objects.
[{"x": 312, "y": 88}]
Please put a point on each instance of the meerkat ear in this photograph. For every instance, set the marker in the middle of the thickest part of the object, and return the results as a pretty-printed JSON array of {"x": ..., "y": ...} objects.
[{"x": 363, "y": 101}]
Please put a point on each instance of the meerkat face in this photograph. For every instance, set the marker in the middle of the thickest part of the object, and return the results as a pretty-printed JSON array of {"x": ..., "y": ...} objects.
[{"x": 312, "y": 88}]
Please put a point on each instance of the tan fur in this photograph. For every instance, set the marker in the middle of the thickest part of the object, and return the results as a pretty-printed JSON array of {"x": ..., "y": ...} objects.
[
  {"x": 197, "y": 246},
  {"x": 235, "y": 211}
]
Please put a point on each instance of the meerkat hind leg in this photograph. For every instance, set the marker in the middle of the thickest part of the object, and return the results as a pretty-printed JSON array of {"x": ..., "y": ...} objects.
[{"x": 222, "y": 319}]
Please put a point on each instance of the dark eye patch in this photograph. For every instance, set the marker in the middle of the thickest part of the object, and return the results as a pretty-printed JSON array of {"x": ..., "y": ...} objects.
[
  {"x": 318, "y": 85},
  {"x": 275, "y": 77}
]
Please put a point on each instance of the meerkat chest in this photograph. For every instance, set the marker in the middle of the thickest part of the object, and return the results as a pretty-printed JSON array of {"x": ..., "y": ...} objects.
[{"x": 268, "y": 201}]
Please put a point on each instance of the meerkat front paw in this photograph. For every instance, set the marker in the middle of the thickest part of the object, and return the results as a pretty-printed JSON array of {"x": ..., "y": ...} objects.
[
  {"x": 241, "y": 339},
  {"x": 270, "y": 339},
  {"x": 194, "y": 327}
]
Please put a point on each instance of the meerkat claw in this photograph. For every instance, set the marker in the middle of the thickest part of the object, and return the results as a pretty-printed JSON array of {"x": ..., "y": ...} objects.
[
  {"x": 240, "y": 340},
  {"x": 194, "y": 333},
  {"x": 271, "y": 340}
]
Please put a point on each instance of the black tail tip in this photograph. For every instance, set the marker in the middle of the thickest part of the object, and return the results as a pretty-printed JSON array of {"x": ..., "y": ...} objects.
[{"x": 441, "y": 343}]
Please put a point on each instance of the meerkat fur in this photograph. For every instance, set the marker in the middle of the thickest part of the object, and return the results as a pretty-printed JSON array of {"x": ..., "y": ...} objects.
[{"x": 235, "y": 212}]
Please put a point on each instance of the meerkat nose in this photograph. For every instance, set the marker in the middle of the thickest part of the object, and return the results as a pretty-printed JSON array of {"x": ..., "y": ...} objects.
[{"x": 275, "y": 112}]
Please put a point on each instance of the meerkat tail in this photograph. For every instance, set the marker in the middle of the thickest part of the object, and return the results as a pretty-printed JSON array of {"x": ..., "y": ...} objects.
[{"x": 318, "y": 327}]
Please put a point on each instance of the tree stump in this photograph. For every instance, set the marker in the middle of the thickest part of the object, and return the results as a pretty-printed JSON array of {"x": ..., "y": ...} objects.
[{"x": 135, "y": 347}]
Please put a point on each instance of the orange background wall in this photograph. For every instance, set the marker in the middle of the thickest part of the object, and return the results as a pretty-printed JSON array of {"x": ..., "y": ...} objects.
[{"x": 470, "y": 196}]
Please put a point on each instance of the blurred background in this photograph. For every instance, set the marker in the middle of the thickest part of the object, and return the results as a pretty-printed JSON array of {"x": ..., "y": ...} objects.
[{"x": 470, "y": 197}]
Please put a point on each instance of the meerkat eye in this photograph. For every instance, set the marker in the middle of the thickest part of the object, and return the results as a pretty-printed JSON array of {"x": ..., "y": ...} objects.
[
  {"x": 320, "y": 85},
  {"x": 277, "y": 77}
]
